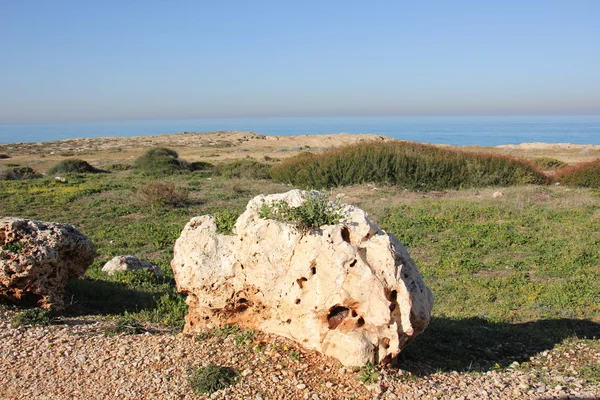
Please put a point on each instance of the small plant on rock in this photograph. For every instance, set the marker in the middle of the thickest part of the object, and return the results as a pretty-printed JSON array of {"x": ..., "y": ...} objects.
[
  {"x": 209, "y": 379},
  {"x": 315, "y": 211},
  {"x": 225, "y": 221}
]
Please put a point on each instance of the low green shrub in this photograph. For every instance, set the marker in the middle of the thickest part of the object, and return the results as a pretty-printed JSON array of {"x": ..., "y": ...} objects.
[
  {"x": 32, "y": 316},
  {"x": 118, "y": 167},
  {"x": 158, "y": 161},
  {"x": 315, "y": 211},
  {"x": 225, "y": 221},
  {"x": 73, "y": 165},
  {"x": 583, "y": 175},
  {"x": 157, "y": 193},
  {"x": 200, "y": 166},
  {"x": 547, "y": 163},
  {"x": 247, "y": 169},
  {"x": 209, "y": 379},
  {"x": 126, "y": 324},
  {"x": 18, "y": 173},
  {"x": 368, "y": 374},
  {"x": 409, "y": 165}
]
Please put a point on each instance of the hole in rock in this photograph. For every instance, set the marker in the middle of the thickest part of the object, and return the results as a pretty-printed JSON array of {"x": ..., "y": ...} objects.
[
  {"x": 289, "y": 321},
  {"x": 394, "y": 295},
  {"x": 313, "y": 270},
  {"x": 298, "y": 301},
  {"x": 354, "y": 314},
  {"x": 300, "y": 281},
  {"x": 353, "y": 263},
  {"x": 385, "y": 343},
  {"x": 241, "y": 308},
  {"x": 242, "y": 266},
  {"x": 336, "y": 316},
  {"x": 360, "y": 322},
  {"x": 392, "y": 306},
  {"x": 242, "y": 300},
  {"x": 405, "y": 276},
  {"x": 345, "y": 234}
]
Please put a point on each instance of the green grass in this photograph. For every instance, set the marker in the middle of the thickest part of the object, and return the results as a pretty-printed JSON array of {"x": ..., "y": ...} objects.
[
  {"x": 106, "y": 208},
  {"x": 33, "y": 316},
  {"x": 408, "y": 165}
]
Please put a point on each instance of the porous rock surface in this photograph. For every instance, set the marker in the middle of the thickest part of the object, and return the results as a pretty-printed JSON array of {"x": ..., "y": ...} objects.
[
  {"x": 129, "y": 263},
  {"x": 38, "y": 258},
  {"x": 350, "y": 291}
]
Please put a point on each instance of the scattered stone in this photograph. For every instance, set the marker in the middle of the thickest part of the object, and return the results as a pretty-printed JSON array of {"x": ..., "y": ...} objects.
[
  {"x": 129, "y": 263},
  {"x": 38, "y": 258},
  {"x": 350, "y": 291},
  {"x": 496, "y": 195},
  {"x": 60, "y": 179}
]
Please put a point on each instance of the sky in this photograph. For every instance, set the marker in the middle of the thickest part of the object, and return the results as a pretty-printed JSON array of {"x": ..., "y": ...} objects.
[{"x": 65, "y": 60}]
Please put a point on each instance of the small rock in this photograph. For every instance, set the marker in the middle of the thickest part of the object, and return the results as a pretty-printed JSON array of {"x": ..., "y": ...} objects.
[
  {"x": 301, "y": 386},
  {"x": 496, "y": 195}
]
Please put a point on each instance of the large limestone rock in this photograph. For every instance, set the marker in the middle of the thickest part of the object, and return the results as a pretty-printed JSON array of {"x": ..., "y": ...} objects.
[
  {"x": 350, "y": 291},
  {"x": 38, "y": 258}
]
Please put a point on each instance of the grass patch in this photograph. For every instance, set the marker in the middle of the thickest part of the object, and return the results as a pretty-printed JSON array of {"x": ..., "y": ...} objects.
[
  {"x": 408, "y": 165},
  {"x": 72, "y": 166},
  {"x": 368, "y": 374},
  {"x": 209, "y": 379},
  {"x": 546, "y": 163},
  {"x": 582, "y": 175},
  {"x": 225, "y": 221},
  {"x": 17, "y": 173}
]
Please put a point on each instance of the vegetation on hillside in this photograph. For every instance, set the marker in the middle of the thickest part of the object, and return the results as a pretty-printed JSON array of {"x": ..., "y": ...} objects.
[
  {"x": 73, "y": 166},
  {"x": 408, "y": 165},
  {"x": 582, "y": 175}
]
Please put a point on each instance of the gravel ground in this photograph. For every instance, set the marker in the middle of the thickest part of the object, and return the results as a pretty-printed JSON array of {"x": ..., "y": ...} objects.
[{"x": 76, "y": 359}]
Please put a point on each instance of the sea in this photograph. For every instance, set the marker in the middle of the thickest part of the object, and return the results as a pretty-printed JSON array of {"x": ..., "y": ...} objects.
[{"x": 452, "y": 130}]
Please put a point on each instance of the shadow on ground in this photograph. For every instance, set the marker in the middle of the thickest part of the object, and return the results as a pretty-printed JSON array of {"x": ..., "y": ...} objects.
[
  {"x": 474, "y": 344},
  {"x": 94, "y": 296}
]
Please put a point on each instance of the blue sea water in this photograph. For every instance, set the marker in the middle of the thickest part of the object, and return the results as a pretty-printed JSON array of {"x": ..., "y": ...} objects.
[{"x": 459, "y": 131}]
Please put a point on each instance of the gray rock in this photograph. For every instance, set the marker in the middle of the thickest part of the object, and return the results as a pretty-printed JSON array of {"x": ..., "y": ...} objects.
[{"x": 129, "y": 263}]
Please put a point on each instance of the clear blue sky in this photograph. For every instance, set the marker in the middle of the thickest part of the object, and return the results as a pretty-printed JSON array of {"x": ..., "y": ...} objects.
[{"x": 148, "y": 59}]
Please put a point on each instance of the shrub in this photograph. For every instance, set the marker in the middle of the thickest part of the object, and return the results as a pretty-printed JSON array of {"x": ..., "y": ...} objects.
[
  {"x": 209, "y": 379},
  {"x": 118, "y": 167},
  {"x": 157, "y": 193},
  {"x": 33, "y": 316},
  {"x": 200, "y": 166},
  {"x": 315, "y": 211},
  {"x": 126, "y": 324},
  {"x": 158, "y": 161},
  {"x": 409, "y": 165},
  {"x": 73, "y": 165},
  {"x": 547, "y": 163},
  {"x": 4, "y": 156},
  {"x": 368, "y": 374},
  {"x": 225, "y": 221},
  {"x": 584, "y": 174},
  {"x": 249, "y": 169},
  {"x": 18, "y": 173}
]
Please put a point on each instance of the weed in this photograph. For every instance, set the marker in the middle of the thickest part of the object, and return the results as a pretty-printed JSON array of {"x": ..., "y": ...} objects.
[
  {"x": 226, "y": 330},
  {"x": 13, "y": 247},
  {"x": 32, "y": 316},
  {"x": 209, "y": 379},
  {"x": 225, "y": 221},
  {"x": 294, "y": 355},
  {"x": 4, "y": 156},
  {"x": 315, "y": 211},
  {"x": 118, "y": 167},
  {"x": 73, "y": 165},
  {"x": 18, "y": 173},
  {"x": 126, "y": 324},
  {"x": 157, "y": 193},
  {"x": 244, "y": 337},
  {"x": 368, "y": 374}
]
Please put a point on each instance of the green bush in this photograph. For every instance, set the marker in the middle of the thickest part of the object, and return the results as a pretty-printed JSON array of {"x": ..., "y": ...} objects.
[
  {"x": 200, "y": 166},
  {"x": 209, "y": 379},
  {"x": 18, "y": 173},
  {"x": 547, "y": 163},
  {"x": 157, "y": 193},
  {"x": 118, "y": 167},
  {"x": 73, "y": 165},
  {"x": 315, "y": 211},
  {"x": 583, "y": 175},
  {"x": 409, "y": 165},
  {"x": 159, "y": 161},
  {"x": 248, "y": 169}
]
